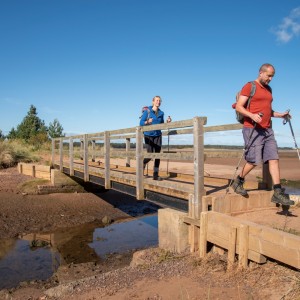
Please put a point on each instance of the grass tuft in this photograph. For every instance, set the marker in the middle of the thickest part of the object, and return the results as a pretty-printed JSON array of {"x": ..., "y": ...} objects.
[
  {"x": 12, "y": 152},
  {"x": 30, "y": 187}
]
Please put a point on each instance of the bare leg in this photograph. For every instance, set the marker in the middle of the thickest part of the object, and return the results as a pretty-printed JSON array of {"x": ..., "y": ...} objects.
[
  {"x": 274, "y": 170},
  {"x": 246, "y": 169},
  {"x": 238, "y": 183}
]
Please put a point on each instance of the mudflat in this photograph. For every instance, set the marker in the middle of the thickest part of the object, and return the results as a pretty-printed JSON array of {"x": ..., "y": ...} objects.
[{"x": 153, "y": 273}]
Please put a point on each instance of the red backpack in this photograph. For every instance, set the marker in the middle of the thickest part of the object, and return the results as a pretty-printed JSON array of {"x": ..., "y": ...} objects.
[{"x": 143, "y": 110}]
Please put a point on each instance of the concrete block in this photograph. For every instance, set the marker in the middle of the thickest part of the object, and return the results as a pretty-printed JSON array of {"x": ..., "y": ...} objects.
[
  {"x": 60, "y": 179},
  {"x": 172, "y": 231}
]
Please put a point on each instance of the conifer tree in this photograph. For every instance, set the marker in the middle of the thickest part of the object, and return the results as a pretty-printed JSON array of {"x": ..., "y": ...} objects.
[
  {"x": 55, "y": 129},
  {"x": 32, "y": 126},
  {"x": 2, "y": 137},
  {"x": 12, "y": 134}
]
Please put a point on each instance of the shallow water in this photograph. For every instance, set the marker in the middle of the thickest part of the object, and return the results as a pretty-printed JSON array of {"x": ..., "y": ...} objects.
[
  {"x": 292, "y": 191},
  {"x": 19, "y": 261}
]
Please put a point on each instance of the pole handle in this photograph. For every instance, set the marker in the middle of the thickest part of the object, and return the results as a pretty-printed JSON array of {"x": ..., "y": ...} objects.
[{"x": 287, "y": 117}]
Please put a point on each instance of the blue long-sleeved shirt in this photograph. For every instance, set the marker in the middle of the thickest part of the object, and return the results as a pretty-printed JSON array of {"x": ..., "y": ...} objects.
[{"x": 156, "y": 119}]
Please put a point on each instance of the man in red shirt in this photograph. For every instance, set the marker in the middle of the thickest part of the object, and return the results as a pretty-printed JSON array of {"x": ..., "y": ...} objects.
[{"x": 259, "y": 138}]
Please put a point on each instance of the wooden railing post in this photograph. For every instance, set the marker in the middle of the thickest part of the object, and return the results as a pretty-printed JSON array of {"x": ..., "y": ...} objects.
[
  {"x": 203, "y": 234},
  {"x": 53, "y": 153},
  {"x": 107, "y": 159},
  {"x": 86, "y": 158},
  {"x": 198, "y": 132},
  {"x": 61, "y": 142},
  {"x": 81, "y": 149},
  {"x": 139, "y": 165},
  {"x": 71, "y": 156},
  {"x": 243, "y": 245},
  {"x": 127, "y": 149},
  {"x": 93, "y": 150}
]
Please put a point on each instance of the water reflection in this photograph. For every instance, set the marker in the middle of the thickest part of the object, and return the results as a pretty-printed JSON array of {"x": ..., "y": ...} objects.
[
  {"x": 21, "y": 260},
  {"x": 24, "y": 263},
  {"x": 119, "y": 238}
]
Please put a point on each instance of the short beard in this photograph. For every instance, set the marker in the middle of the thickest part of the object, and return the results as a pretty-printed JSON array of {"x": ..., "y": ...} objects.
[{"x": 262, "y": 82}]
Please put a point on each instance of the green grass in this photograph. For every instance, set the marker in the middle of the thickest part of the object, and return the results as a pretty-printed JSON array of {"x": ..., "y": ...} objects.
[
  {"x": 30, "y": 187},
  {"x": 290, "y": 183},
  {"x": 285, "y": 182}
]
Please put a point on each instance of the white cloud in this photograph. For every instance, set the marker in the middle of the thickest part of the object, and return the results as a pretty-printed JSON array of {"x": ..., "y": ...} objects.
[{"x": 289, "y": 27}]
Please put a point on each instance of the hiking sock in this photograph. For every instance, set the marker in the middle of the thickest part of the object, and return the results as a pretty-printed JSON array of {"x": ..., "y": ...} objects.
[
  {"x": 277, "y": 186},
  {"x": 241, "y": 179}
]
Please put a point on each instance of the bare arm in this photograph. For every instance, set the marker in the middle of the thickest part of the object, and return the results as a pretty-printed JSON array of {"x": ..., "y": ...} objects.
[
  {"x": 241, "y": 109},
  {"x": 276, "y": 114}
]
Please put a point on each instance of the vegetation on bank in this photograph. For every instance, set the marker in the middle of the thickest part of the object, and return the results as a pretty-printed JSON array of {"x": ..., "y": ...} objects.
[
  {"x": 28, "y": 141},
  {"x": 14, "y": 151},
  {"x": 33, "y": 130}
]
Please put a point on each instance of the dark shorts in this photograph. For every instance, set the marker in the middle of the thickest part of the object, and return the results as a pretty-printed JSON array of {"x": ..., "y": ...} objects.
[{"x": 262, "y": 147}]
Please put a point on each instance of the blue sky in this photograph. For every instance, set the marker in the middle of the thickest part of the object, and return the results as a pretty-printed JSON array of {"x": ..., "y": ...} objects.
[{"x": 93, "y": 64}]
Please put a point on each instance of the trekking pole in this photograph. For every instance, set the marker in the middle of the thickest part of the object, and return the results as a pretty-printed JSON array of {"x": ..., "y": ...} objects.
[
  {"x": 287, "y": 119},
  {"x": 244, "y": 150}
]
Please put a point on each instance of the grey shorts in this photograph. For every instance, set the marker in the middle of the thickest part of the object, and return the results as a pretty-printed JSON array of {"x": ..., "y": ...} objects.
[{"x": 262, "y": 147}]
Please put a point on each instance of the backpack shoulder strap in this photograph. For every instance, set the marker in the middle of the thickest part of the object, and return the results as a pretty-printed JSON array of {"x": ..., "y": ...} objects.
[
  {"x": 252, "y": 92},
  {"x": 148, "y": 111}
]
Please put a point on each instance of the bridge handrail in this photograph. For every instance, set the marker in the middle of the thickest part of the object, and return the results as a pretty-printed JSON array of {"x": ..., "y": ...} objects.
[{"x": 193, "y": 126}]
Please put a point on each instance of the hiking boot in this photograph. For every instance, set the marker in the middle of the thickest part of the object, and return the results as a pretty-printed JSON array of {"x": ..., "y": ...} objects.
[
  {"x": 238, "y": 187},
  {"x": 280, "y": 197},
  {"x": 156, "y": 177}
]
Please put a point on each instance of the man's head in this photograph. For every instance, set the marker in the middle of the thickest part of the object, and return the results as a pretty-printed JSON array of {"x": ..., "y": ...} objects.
[{"x": 266, "y": 74}]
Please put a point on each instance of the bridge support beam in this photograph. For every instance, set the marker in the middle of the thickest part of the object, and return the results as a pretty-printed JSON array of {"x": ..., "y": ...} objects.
[
  {"x": 127, "y": 150},
  {"x": 71, "y": 156},
  {"x": 86, "y": 157},
  {"x": 61, "y": 155},
  {"x": 107, "y": 159},
  {"x": 140, "y": 193},
  {"x": 198, "y": 133}
]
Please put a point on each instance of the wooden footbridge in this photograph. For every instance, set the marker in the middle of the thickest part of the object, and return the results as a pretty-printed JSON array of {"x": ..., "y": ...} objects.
[{"x": 95, "y": 158}]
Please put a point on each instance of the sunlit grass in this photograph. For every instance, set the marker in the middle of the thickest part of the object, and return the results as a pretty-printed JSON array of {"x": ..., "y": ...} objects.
[
  {"x": 31, "y": 186},
  {"x": 285, "y": 182},
  {"x": 14, "y": 151}
]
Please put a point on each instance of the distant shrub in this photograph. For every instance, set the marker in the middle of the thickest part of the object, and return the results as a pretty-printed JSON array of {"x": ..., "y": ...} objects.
[{"x": 14, "y": 151}]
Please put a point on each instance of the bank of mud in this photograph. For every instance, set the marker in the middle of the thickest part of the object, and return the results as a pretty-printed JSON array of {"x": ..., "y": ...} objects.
[{"x": 152, "y": 274}]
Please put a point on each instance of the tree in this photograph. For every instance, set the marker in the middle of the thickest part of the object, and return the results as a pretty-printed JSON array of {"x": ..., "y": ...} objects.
[
  {"x": 12, "y": 134},
  {"x": 55, "y": 129},
  {"x": 31, "y": 126}
]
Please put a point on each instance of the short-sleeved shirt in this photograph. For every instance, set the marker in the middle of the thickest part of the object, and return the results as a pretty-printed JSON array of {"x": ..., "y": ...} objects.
[{"x": 261, "y": 102}]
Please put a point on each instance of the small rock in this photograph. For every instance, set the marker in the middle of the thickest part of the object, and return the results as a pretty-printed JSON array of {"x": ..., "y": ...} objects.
[{"x": 106, "y": 220}]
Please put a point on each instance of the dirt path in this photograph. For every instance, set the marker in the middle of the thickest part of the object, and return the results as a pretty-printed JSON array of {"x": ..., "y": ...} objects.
[{"x": 154, "y": 274}]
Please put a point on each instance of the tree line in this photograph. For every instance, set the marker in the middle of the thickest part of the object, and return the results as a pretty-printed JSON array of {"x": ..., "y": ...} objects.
[{"x": 33, "y": 130}]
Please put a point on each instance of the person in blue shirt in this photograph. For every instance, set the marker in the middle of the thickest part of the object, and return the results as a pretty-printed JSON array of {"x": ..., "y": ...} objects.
[{"x": 153, "y": 139}]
